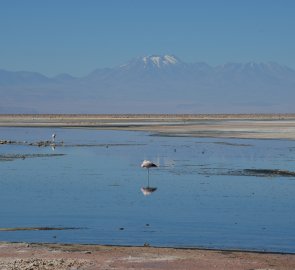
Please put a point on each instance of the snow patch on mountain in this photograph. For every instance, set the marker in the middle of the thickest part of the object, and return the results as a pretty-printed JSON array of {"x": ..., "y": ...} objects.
[
  {"x": 170, "y": 59},
  {"x": 160, "y": 61}
]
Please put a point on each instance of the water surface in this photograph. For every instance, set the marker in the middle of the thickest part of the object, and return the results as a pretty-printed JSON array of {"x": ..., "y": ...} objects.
[{"x": 95, "y": 187}]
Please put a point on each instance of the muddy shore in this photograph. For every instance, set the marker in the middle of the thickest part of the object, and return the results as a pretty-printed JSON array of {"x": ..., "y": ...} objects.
[
  {"x": 248, "y": 126},
  {"x": 89, "y": 257}
]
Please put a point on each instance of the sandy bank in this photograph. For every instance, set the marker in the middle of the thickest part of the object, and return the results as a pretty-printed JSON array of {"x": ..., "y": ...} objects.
[
  {"x": 252, "y": 126},
  {"x": 88, "y": 257}
]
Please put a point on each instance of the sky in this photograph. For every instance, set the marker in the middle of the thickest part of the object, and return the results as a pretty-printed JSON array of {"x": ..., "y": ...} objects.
[{"x": 78, "y": 36}]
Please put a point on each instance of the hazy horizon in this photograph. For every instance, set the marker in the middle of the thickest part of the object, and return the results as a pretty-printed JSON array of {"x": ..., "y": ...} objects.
[{"x": 118, "y": 65}]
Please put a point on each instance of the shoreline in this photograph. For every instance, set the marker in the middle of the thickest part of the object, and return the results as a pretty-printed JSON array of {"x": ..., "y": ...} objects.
[
  {"x": 157, "y": 115},
  {"x": 68, "y": 246},
  {"x": 240, "y": 126},
  {"x": 88, "y": 257}
]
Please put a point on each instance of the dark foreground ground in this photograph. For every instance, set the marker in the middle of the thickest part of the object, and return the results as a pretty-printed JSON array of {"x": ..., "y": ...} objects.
[{"x": 14, "y": 256}]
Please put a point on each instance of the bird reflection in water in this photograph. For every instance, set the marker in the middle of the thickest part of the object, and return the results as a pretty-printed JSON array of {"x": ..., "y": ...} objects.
[{"x": 148, "y": 190}]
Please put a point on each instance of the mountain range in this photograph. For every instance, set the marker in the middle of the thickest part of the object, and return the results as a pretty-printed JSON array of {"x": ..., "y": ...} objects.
[{"x": 154, "y": 84}]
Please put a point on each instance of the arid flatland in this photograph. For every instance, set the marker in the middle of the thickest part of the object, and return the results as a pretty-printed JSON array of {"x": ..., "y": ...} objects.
[
  {"x": 251, "y": 126},
  {"x": 90, "y": 257}
]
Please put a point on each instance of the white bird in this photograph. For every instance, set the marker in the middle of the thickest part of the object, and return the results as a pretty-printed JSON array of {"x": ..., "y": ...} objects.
[
  {"x": 53, "y": 136},
  {"x": 148, "y": 164}
]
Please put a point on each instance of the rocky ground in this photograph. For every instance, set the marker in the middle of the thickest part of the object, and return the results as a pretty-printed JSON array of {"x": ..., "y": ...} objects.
[{"x": 23, "y": 256}]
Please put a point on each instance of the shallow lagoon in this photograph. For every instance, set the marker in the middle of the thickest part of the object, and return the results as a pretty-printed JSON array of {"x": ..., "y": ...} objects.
[{"x": 95, "y": 188}]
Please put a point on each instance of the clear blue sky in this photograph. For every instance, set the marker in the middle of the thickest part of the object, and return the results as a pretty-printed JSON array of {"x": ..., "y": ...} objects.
[{"x": 77, "y": 36}]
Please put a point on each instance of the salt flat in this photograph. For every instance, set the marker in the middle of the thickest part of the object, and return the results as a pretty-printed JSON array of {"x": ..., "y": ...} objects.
[{"x": 248, "y": 126}]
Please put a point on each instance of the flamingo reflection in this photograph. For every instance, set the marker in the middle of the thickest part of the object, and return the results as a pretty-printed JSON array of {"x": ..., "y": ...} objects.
[{"x": 148, "y": 190}]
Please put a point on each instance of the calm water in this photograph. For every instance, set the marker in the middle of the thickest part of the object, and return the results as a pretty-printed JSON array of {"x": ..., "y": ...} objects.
[{"x": 96, "y": 188}]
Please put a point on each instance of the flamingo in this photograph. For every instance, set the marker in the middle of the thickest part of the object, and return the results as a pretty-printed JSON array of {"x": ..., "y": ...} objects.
[{"x": 148, "y": 164}]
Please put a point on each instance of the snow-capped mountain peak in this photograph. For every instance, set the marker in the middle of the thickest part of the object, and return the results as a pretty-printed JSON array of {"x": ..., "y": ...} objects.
[
  {"x": 160, "y": 61},
  {"x": 153, "y": 62}
]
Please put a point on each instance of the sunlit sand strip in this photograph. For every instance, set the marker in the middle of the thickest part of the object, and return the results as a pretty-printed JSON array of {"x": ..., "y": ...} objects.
[{"x": 217, "y": 126}]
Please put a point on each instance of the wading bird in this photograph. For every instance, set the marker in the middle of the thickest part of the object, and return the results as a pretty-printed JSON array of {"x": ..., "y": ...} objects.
[
  {"x": 53, "y": 137},
  {"x": 148, "y": 164}
]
